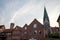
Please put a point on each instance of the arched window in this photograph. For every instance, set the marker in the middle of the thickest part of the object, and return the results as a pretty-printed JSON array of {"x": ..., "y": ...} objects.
[
  {"x": 35, "y": 32},
  {"x": 40, "y": 31},
  {"x": 35, "y": 25}
]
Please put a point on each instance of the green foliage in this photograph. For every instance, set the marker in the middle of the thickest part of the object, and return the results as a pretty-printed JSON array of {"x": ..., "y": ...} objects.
[{"x": 54, "y": 35}]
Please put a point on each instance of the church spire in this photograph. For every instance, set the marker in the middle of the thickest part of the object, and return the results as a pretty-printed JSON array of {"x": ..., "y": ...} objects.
[
  {"x": 46, "y": 23},
  {"x": 46, "y": 18}
]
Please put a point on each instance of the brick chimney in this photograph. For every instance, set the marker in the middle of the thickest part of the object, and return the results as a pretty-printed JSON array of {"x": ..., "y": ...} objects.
[
  {"x": 2, "y": 27},
  {"x": 12, "y": 25}
]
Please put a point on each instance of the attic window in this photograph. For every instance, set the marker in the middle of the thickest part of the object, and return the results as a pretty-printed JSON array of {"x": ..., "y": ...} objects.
[{"x": 35, "y": 25}]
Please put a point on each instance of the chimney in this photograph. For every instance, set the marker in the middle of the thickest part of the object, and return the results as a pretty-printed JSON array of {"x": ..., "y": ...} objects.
[{"x": 12, "y": 25}]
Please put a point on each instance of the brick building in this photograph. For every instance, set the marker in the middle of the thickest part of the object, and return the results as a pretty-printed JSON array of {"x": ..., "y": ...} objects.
[{"x": 34, "y": 31}]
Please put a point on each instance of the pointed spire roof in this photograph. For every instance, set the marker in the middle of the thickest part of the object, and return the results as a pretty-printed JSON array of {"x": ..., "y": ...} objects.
[
  {"x": 46, "y": 19},
  {"x": 45, "y": 15},
  {"x": 58, "y": 18}
]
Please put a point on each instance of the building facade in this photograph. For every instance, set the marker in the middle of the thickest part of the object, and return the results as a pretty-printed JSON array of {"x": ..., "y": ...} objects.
[{"x": 34, "y": 31}]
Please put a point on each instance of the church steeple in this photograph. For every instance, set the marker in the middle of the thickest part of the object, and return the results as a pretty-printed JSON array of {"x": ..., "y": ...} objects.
[
  {"x": 46, "y": 18},
  {"x": 46, "y": 23}
]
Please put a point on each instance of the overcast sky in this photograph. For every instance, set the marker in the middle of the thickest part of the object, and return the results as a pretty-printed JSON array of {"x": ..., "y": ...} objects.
[{"x": 25, "y": 11}]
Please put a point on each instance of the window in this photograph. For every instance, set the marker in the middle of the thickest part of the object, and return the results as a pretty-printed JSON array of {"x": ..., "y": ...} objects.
[
  {"x": 57, "y": 29},
  {"x": 8, "y": 38},
  {"x": 35, "y": 32},
  {"x": 8, "y": 33},
  {"x": 30, "y": 32},
  {"x": 32, "y": 39},
  {"x": 1, "y": 30},
  {"x": 25, "y": 32},
  {"x": 35, "y": 25},
  {"x": 24, "y": 38},
  {"x": 40, "y": 31},
  {"x": 16, "y": 32}
]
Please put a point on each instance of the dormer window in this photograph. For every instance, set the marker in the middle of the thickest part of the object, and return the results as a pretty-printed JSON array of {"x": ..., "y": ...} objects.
[{"x": 35, "y": 25}]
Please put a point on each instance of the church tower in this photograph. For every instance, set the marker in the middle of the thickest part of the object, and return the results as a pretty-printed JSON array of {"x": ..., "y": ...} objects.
[
  {"x": 58, "y": 20},
  {"x": 46, "y": 23}
]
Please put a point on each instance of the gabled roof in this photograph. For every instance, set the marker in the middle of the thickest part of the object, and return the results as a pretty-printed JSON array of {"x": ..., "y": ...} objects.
[
  {"x": 2, "y": 26},
  {"x": 7, "y": 30},
  {"x": 25, "y": 25},
  {"x": 17, "y": 28},
  {"x": 58, "y": 18},
  {"x": 35, "y": 21}
]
